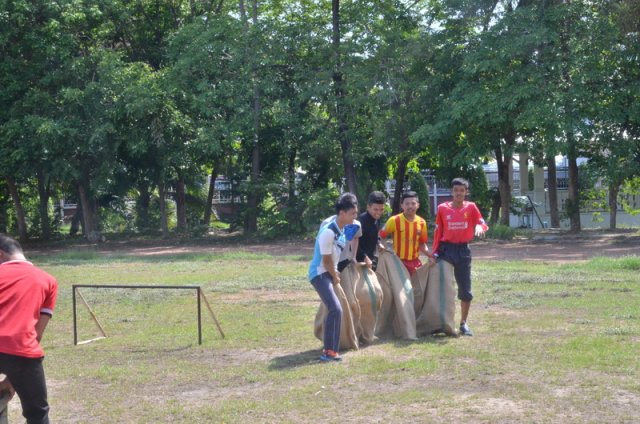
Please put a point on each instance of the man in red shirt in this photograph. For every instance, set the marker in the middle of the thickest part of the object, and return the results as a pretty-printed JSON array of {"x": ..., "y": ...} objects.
[
  {"x": 27, "y": 299},
  {"x": 456, "y": 224}
]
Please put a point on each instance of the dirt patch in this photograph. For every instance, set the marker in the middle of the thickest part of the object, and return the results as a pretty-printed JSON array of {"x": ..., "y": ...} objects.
[{"x": 545, "y": 248}]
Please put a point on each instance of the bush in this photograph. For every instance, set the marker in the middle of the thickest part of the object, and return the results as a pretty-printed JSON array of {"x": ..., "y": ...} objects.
[{"x": 501, "y": 232}]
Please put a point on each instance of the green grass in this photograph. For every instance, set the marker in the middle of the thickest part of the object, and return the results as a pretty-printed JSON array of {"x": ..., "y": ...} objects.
[{"x": 553, "y": 343}]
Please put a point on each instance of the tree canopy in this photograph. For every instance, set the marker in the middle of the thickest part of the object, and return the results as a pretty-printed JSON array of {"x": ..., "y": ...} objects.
[{"x": 119, "y": 106}]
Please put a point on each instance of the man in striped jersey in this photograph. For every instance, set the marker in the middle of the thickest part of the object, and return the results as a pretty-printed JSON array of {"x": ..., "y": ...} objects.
[{"x": 409, "y": 232}]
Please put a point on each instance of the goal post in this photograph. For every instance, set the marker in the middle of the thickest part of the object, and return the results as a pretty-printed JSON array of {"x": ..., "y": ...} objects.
[{"x": 76, "y": 293}]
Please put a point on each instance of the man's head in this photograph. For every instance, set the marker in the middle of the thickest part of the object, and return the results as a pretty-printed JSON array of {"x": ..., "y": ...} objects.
[
  {"x": 409, "y": 203},
  {"x": 375, "y": 204},
  {"x": 459, "y": 188},
  {"x": 346, "y": 208},
  {"x": 9, "y": 249}
]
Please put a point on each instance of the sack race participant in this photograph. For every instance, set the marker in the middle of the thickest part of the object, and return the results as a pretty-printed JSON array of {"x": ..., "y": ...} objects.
[
  {"x": 360, "y": 296},
  {"x": 348, "y": 338},
  {"x": 457, "y": 222},
  {"x": 397, "y": 317},
  {"x": 434, "y": 299},
  {"x": 324, "y": 276}
]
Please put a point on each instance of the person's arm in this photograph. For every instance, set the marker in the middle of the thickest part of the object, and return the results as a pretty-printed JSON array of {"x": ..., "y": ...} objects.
[
  {"x": 437, "y": 235},
  {"x": 6, "y": 387},
  {"x": 481, "y": 226},
  {"x": 388, "y": 229},
  {"x": 327, "y": 261},
  {"x": 41, "y": 325},
  {"x": 423, "y": 248}
]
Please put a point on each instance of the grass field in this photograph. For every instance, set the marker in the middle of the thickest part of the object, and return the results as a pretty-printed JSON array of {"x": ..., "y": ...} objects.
[{"x": 554, "y": 343}]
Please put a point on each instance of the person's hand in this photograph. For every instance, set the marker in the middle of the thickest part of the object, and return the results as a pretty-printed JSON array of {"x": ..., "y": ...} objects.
[
  {"x": 382, "y": 247},
  {"x": 6, "y": 387},
  {"x": 336, "y": 279},
  {"x": 480, "y": 230},
  {"x": 431, "y": 261},
  {"x": 367, "y": 262}
]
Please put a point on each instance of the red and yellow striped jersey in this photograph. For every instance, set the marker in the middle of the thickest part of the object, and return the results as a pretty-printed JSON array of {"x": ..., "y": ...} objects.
[{"x": 407, "y": 235}]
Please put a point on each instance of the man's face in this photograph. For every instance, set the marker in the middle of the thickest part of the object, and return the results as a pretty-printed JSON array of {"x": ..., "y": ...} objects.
[
  {"x": 375, "y": 210},
  {"x": 459, "y": 192},
  {"x": 410, "y": 205},
  {"x": 349, "y": 215}
]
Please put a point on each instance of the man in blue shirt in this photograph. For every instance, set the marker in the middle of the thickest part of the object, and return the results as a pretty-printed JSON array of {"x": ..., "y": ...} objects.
[{"x": 323, "y": 271}]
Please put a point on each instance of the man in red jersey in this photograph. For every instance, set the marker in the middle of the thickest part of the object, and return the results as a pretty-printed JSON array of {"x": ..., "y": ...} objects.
[
  {"x": 456, "y": 224},
  {"x": 27, "y": 299}
]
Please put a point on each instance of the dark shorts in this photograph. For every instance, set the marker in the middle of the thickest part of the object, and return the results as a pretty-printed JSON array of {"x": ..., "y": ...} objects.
[{"x": 459, "y": 256}]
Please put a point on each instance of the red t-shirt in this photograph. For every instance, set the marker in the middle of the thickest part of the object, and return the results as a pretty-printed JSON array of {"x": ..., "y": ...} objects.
[
  {"x": 25, "y": 293},
  {"x": 456, "y": 225}
]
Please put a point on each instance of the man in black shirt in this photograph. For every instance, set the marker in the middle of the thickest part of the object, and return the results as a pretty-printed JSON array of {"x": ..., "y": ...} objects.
[{"x": 370, "y": 221}]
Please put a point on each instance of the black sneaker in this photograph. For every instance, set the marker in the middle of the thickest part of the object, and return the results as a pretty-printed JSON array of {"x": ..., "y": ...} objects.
[{"x": 465, "y": 330}]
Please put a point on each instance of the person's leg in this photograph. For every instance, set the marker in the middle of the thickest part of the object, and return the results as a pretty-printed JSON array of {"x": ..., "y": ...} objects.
[
  {"x": 28, "y": 380},
  {"x": 324, "y": 286},
  {"x": 462, "y": 273}
]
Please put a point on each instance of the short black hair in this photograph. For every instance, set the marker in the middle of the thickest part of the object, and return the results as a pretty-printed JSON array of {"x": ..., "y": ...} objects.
[
  {"x": 9, "y": 245},
  {"x": 460, "y": 181},
  {"x": 345, "y": 202},
  {"x": 408, "y": 194},
  {"x": 376, "y": 197}
]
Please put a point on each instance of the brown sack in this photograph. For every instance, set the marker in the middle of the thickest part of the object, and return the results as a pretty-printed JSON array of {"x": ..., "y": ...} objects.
[
  {"x": 397, "y": 316},
  {"x": 369, "y": 295},
  {"x": 419, "y": 281},
  {"x": 437, "y": 314},
  {"x": 348, "y": 338}
]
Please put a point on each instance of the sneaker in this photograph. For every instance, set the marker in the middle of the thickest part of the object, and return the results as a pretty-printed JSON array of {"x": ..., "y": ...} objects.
[
  {"x": 330, "y": 355},
  {"x": 465, "y": 330}
]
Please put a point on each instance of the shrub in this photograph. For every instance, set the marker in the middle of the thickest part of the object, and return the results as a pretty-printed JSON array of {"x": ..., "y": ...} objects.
[{"x": 501, "y": 232}]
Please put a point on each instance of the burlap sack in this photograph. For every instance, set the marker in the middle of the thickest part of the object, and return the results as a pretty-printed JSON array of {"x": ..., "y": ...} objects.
[
  {"x": 397, "y": 317},
  {"x": 436, "y": 307},
  {"x": 346, "y": 294},
  {"x": 369, "y": 296}
]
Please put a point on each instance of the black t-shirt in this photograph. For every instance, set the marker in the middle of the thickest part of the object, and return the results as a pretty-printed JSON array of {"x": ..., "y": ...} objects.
[{"x": 368, "y": 242}]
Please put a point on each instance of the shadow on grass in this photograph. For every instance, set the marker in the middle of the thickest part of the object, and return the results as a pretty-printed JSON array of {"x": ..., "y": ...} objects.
[
  {"x": 437, "y": 339},
  {"x": 295, "y": 360}
]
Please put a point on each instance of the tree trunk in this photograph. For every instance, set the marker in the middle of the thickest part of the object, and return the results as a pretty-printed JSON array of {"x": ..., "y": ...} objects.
[
  {"x": 401, "y": 174},
  {"x": 181, "y": 204},
  {"x": 496, "y": 203},
  {"x": 253, "y": 197},
  {"x": 88, "y": 209},
  {"x": 206, "y": 219},
  {"x": 338, "y": 84},
  {"x": 552, "y": 190},
  {"x": 77, "y": 222},
  {"x": 573, "y": 201},
  {"x": 614, "y": 188},
  {"x": 142, "y": 205},
  {"x": 164, "y": 219},
  {"x": 503, "y": 159},
  {"x": 4, "y": 202},
  {"x": 17, "y": 203},
  {"x": 293, "y": 217},
  {"x": 43, "y": 204}
]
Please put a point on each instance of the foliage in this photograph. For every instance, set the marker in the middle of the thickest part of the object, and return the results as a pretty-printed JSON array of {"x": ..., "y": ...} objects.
[
  {"x": 501, "y": 232},
  {"x": 117, "y": 100}
]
